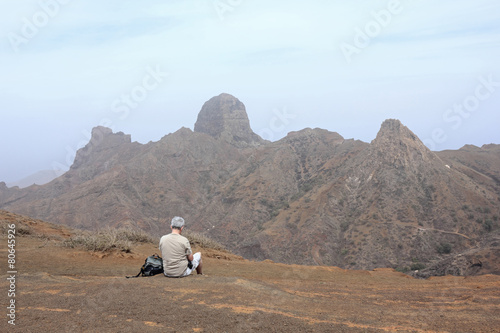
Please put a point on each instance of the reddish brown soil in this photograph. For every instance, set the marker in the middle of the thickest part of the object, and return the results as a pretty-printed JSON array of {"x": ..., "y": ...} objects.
[{"x": 66, "y": 290}]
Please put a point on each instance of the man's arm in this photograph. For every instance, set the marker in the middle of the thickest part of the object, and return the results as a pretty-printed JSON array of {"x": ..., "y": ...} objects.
[{"x": 189, "y": 257}]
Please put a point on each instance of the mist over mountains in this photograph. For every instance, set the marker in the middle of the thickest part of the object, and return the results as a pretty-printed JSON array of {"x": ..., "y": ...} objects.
[
  {"x": 39, "y": 178},
  {"x": 312, "y": 197}
]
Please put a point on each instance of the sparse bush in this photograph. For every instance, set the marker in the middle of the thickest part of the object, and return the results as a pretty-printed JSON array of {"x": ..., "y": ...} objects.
[
  {"x": 109, "y": 239},
  {"x": 203, "y": 241},
  {"x": 344, "y": 226},
  {"x": 135, "y": 235},
  {"x": 444, "y": 248},
  {"x": 417, "y": 266},
  {"x": 24, "y": 230},
  {"x": 103, "y": 241},
  {"x": 404, "y": 269},
  {"x": 291, "y": 226},
  {"x": 21, "y": 229},
  {"x": 488, "y": 225},
  {"x": 4, "y": 228},
  {"x": 307, "y": 187}
]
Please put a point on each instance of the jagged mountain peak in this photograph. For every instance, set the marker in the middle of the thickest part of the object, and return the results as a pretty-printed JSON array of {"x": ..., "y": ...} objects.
[
  {"x": 393, "y": 129},
  {"x": 225, "y": 117},
  {"x": 396, "y": 142},
  {"x": 104, "y": 150}
]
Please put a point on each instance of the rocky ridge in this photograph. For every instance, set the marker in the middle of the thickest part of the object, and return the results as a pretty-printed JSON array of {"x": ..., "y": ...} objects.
[{"x": 312, "y": 197}]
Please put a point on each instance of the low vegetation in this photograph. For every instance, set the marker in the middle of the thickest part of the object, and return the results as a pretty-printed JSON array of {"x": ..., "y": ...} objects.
[
  {"x": 21, "y": 229},
  {"x": 121, "y": 240},
  {"x": 203, "y": 241},
  {"x": 108, "y": 240},
  {"x": 444, "y": 248}
]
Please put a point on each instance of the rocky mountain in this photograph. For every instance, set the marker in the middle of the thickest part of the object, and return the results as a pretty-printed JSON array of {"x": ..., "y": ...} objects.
[{"x": 312, "y": 197}]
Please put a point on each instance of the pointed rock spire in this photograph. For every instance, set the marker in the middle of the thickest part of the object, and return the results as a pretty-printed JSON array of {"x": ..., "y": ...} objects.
[{"x": 224, "y": 117}]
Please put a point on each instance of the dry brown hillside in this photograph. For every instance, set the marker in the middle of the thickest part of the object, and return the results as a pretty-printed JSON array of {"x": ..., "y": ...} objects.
[
  {"x": 311, "y": 198},
  {"x": 61, "y": 289}
]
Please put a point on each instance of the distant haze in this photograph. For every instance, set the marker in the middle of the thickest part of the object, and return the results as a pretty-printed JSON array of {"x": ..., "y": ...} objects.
[
  {"x": 39, "y": 178},
  {"x": 147, "y": 68}
]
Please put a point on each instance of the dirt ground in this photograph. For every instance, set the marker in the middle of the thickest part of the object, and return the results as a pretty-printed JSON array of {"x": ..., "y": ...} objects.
[{"x": 66, "y": 290}]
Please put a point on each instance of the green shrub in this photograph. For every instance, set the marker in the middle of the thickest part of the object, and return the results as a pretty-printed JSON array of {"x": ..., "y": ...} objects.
[
  {"x": 416, "y": 266},
  {"x": 404, "y": 269},
  {"x": 444, "y": 248},
  {"x": 488, "y": 225},
  {"x": 344, "y": 226}
]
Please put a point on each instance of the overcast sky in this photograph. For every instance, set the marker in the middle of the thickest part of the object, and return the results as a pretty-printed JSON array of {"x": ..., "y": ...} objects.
[{"x": 146, "y": 68}]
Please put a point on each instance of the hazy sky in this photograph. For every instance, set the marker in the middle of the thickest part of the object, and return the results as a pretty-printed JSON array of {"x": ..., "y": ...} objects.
[{"x": 146, "y": 67}]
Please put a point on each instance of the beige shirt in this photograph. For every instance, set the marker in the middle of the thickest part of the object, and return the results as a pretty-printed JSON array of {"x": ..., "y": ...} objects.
[{"x": 174, "y": 249}]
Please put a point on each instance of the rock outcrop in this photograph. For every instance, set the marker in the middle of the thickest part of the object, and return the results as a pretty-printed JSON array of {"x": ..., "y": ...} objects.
[{"x": 224, "y": 117}]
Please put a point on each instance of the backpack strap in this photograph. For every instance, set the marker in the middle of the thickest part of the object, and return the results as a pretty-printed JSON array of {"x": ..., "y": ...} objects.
[
  {"x": 129, "y": 277},
  {"x": 142, "y": 270}
]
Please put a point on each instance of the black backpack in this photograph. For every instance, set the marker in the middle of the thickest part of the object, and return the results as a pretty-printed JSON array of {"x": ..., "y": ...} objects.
[{"x": 152, "y": 266}]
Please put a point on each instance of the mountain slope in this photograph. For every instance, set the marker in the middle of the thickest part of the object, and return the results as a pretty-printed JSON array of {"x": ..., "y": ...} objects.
[
  {"x": 70, "y": 289},
  {"x": 310, "y": 198}
]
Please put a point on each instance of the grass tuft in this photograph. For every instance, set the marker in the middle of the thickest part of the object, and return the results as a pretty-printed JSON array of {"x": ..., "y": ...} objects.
[
  {"x": 108, "y": 240},
  {"x": 203, "y": 241}
]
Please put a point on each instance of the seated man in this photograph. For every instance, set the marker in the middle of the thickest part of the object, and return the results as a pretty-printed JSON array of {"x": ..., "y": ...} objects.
[{"x": 176, "y": 252}]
